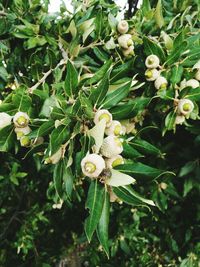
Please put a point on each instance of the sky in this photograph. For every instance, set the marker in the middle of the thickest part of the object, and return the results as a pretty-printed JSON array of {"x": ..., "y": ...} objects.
[{"x": 54, "y": 5}]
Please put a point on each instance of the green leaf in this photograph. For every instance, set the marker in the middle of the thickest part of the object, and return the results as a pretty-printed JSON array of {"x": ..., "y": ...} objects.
[
  {"x": 95, "y": 204},
  {"x": 116, "y": 96},
  {"x": 43, "y": 130},
  {"x": 6, "y": 138},
  {"x": 71, "y": 81},
  {"x": 176, "y": 74},
  {"x": 86, "y": 106},
  {"x": 118, "y": 179},
  {"x": 159, "y": 15},
  {"x": 140, "y": 171},
  {"x": 145, "y": 147},
  {"x": 58, "y": 178},
  {"x": 191, "y": 93},
  {"x": 98, "y": 94},
  {"x": 35, "y": 42},
  {"x": 129, "y": 196},
  {"x": 21, "y": 100},
  {"x": 129, "y": 109},
  {"x": 102, "y": 229},
  {"x": 112, "y": 21},
  {"x": 121, "y": 71},
  {"x": 100, "y": 73},
  {"x": 58, "y": 136},
  {"x": 151, "y": 47},
  {"x": 170, "y": 120},
  {"x": 175, "y": 54},
  {"x": 129, "y": 152}
]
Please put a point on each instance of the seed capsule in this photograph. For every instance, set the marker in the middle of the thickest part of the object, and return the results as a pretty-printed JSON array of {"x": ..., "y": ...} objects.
[
  {"x": 152, "y": 62},
  {"x": 152, "y": 74},
  {"x": 114, "y": 161},
  {"x": 103, "y": 114},
  {"x": 160, "y": 83},
  {"x": 25, "y": 141},
  {"x": 22, "y": 131},
  {"x": 21, "y": 119},
  {"x": 122, "y": 26},
  {"x": 5, "y": 119},
  {"x": 111, "y": 146},
  {"x": 129, "y": 52},
  {"x": 125, "y": 41},
  {"x": 114, "y": 129},
  {"x": 92, "y": 165},
  {"x": 185, "y": 106}
]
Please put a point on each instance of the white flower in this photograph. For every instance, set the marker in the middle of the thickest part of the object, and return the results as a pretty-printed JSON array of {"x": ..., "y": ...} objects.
[
  {"x": 152, "y": 74},
  {"x": 152, "y": 62},
  {"x": 92, "y": 165},
  {"x": 21, "y": 119},
  {"x": 103, "y": 114},
  {"x": 183, "y": 84},
  {"x": 161, "y": 83},
  {"x": 197, "y": 75},
  {"x": 129, "y": 51},
  {"x": 185, "y": 106},
  {"x": 122, "y": 26},
  {"x": 25, "y": 141},
  {"x": 192, "y": 83},
  {"x": 22, "y": 131},
  {"x": 5, "y": 119},
  {"x": 114, "y": 161},
  {"x": 179, "y": 119},
  {"x": 125, "y": 41},
  {"x": 55, "y": 158},
  {"x": 114, "y": 129},
  {"x": 111, "y": 146}
]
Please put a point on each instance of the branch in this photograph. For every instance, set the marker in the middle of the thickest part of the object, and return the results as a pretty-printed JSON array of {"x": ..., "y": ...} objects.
[
  {"x": 46, "y": 74},
  {"x": 2, "y": 13}
]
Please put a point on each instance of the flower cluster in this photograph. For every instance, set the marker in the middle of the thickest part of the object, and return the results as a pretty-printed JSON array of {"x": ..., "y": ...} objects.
[
  {"x": 109, "y": 155},
  {"x": 153, "y": 74},
  {"x": 125, "y": 40},
  {"x": 21, "y": 121}
]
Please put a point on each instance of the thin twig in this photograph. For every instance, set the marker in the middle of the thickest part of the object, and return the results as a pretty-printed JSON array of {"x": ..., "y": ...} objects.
[{"x": 46, "y": 74}]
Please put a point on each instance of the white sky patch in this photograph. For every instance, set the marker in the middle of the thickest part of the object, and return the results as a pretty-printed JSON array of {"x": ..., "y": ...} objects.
[{"x": 54, "y": 5}]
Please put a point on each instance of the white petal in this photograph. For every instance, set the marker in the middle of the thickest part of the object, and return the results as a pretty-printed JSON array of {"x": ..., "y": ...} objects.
[
  {"x": 97, "y": 132},
  {"x": 119, "y": 179}
]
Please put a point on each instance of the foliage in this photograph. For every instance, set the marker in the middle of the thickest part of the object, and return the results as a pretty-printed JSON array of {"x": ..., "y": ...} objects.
[{"x": 61, "y": 70}]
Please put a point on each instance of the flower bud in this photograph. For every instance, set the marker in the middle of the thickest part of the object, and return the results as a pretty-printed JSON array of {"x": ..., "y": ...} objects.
[
  {"x": 114, "y": 161},
  {"x": 152, "y": 74},
  {"x": 179, "y": 119},
  {"x": 129, "y": 51},
  {"x": 185, "y": 106},
  {"x": 22, "y": 131},
  {"x": 103, "y": 114},
  {"x": 125, "y": 41},
  {"x": 21, "y": 119},
  {"x": 197, "y": 75},
  {"x": 55, "y": 158},
  {"x": 114, "y": 129},
  {"x": 152, "y": 62},
  {"x": 111, "y": 146},
  {"x": 192, "y": 83},
  {"x": 25, "y": 141},
  {"x": 160, "y": 83},
  {"x": 92, "y": 165},
  {"x": 5, "y": 119},
  {"x": 122, "y": 26}
]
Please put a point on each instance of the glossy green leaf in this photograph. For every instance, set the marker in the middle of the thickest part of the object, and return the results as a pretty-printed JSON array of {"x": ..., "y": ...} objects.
[
  {"x": 145, "y": 147},
  {"x": 151, "y": 47},
  {"x": 116, "y": 96},
  {"x": 94, "y": 203},
  {"x": 102, "y": 229},
  {"x": 7, "y": 137},
  {"x": 129, "y": 152},
  {"x": 71, "y": 81}
]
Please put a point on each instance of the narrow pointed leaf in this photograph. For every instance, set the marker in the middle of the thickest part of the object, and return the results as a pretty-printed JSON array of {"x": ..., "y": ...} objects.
[
  {"x": 95, "y": 204},
  {"x": 71, "y": 81},
  {"x": 102, "y": 229}
]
